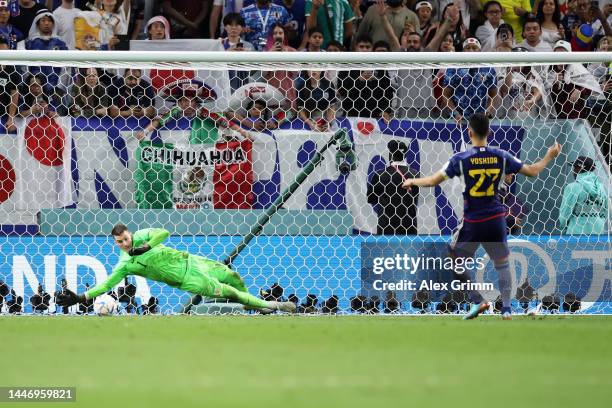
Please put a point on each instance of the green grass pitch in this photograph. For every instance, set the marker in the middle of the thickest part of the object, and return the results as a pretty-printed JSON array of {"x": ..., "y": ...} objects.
[{"x": 284, "y": 361}]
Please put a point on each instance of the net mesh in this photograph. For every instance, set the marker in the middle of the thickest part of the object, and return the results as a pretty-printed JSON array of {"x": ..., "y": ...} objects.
[{"x": 204, "y": 149}]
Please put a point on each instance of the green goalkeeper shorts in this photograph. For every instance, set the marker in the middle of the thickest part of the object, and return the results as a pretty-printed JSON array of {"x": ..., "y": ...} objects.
[{"x": 206, "y": 277}]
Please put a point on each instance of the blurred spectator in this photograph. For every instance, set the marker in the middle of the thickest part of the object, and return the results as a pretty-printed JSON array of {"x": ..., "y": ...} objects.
[
  {"x": 381, "y": 46},
  {"x": 470, "y": 90},
  {"x": 43, "y": 36},
  {"x": 40, "y": 300},
  {"x": 437, "y": 89},
  {"x": 220, "y": 9},
  {"x": 486, "y": 33},
  {"x": 469, "y": 10},
  {"x": 584, "y": 207},
  {"x": 391, "y": 303},
  {"x": 15, "y": 304},
  {"x": 89, "y": 95},
  {"x": 209, "y": 125},
  {"x": 133, "y": 12},
  {"x": 277, "y": 39},
  {"x": 9, "y": 97},
  {"x": 4, "y": 292},
  {"x": 513, "y": 11},
  {"x": 398, "y": 16},
  {"x": 187, "y": 17},
  {"x": 396, "y": 206},
  {"x": 504, "y": 38},
  {"x": 259, "y": 117},
  {"x": 112, "y": 23},
  {"x": 330, "y": 306},
  {"x": 64, "y": 17},
  {"x": 521, "y": 92},
  {"x": 152, "y": 306},
  {"x": 600, "y": 70},
  {"x": 316, "y": 101},
  {"x": 549, "y": 16},
  {"x": 158, "y": 28},
  {"x": 132, "y": 95},
  {"x": 310, "y": 304},
  {"x": 415, "y": 86},
  {"x": 366, "y": 93},
  {"x": 86, "y": 307},
  {"x": 314, "y": 40},
  {"x": 594, "y": 22},
  {"x": 606, "y": 8},
  {"x": 334, "y": 18},
  {"x": 532, "y": 34},
  {"x": 24, "y": 18},
  {"x": 335, "y": 46},
  {"x": 601, "y": 110},
  {"x": 34, "y": 101},
  {"x": 10, "y": 33},
  {"x": 260, "y": 19},
  {"x": 234, "y": 27},
  {"x": 297, "y": 21},
  {"x": 122, "y": 9},
  {"x": 454, "y": 26},
  {"x": 280, "y": 79},
  {"x": 569, "y": 86},
  {"x": 423, "y": 12}
]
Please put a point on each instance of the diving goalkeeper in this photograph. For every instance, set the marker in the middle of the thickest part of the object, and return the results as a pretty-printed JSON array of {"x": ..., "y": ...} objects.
[{"x": 143, "y": 254}]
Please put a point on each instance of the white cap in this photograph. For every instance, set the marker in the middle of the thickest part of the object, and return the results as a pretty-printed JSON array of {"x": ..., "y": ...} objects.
[
  {"x": 423, "y": 4},
  {"x": 563, "y": 44},
  {"x": 472, "y": 41},
  {"x": 4, "y": 3}
]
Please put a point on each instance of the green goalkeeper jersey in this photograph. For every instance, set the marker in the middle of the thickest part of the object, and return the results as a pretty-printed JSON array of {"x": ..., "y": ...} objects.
[{"x": 160, "y": 263}]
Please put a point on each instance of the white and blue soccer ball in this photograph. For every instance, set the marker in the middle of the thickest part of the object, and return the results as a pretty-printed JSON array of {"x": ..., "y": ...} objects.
[{"x": 105, "y": 305}]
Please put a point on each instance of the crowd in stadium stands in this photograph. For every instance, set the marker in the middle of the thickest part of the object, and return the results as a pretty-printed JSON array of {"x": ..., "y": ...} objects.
[{"x": 560, "y": 91}]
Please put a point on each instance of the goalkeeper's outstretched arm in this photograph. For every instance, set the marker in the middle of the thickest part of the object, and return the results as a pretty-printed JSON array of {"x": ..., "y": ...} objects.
[{"x": 69, "y": 298}]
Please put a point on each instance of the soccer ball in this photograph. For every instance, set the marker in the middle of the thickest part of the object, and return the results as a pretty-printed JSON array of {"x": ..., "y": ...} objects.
[{"x": 105, "y": 305}]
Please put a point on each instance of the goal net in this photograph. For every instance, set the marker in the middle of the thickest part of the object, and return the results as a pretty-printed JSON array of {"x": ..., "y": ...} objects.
[{"x": 222, "y": 150}]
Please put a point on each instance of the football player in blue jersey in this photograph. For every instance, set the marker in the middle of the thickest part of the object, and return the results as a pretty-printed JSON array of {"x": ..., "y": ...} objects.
[{"x": 484, "y": 216}]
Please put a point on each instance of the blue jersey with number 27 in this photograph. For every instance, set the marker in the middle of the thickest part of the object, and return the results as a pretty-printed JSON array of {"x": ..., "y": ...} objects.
[{"x": 481, "y": 169}]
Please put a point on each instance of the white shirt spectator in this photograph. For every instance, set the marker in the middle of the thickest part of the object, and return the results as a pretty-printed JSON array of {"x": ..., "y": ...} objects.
[
  {"x": 64, "y": 20},
  {"x": 486, "y": 34},
  {"x": 550, "y": 36},
  {"x": 542, "y": 46}
]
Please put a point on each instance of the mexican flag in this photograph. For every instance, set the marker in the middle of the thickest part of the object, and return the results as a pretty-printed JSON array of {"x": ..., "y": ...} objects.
[{"x": 193, "y": 176}]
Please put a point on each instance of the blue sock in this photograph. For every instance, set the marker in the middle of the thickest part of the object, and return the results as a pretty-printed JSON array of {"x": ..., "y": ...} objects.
[
  {"x": 505, "y": 283},
  {"x": 506, "y": 310}
]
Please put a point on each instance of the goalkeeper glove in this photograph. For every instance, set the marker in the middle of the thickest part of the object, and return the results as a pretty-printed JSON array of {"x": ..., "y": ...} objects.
[
  {"x": 69, "y": 298},
  {"x": 139, "y": 250}
]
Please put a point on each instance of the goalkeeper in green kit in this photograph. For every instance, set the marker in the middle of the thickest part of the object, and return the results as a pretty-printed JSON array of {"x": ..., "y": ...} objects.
[{"x": 143, "y": 254}]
